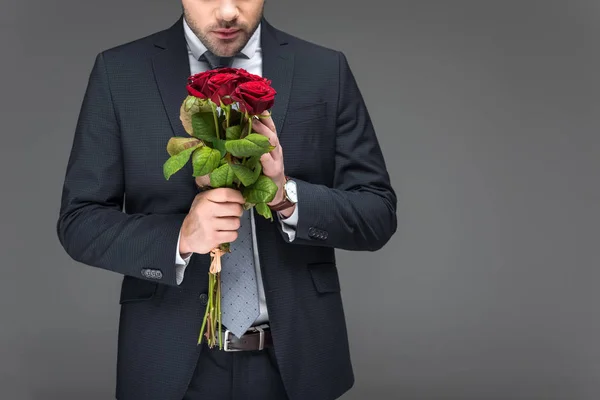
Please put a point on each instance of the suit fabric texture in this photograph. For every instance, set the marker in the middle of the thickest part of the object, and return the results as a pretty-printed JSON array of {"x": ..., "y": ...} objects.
[{"x": 118, "y": 212}]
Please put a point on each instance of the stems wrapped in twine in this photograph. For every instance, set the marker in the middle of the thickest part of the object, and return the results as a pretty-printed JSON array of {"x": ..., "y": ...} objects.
[
  {"x": 215, "y": 265},
  {"x": 212, "y": 316}
]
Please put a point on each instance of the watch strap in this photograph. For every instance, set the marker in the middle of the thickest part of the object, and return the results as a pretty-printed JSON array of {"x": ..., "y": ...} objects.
[
  {"x": 282, "y": 205},
  {"x": 285, "y": 203}
]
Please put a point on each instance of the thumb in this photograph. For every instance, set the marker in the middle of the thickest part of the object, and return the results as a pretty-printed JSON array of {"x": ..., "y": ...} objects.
[
  {"x": 268, "y": 163},
  {"x": 203, "y": 180}
]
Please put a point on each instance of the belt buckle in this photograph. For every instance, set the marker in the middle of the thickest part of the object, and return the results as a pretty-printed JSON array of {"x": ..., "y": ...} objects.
[
  {"x": 258, "y": 328},
  {"x": 261, "y": 330},
  {"x": 226, "y": 342}
]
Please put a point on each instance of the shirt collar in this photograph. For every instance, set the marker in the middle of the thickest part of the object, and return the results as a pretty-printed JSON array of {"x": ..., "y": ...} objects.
[{"x": 197, "y": 48}]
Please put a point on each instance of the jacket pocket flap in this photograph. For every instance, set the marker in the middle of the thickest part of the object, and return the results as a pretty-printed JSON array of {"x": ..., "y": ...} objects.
[
  {"x": 135, "y": 289},
  {"x": 325, "y": 277}
]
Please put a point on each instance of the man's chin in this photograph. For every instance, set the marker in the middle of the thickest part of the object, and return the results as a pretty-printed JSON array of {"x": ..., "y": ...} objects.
[{"x": 227, "y": 49}]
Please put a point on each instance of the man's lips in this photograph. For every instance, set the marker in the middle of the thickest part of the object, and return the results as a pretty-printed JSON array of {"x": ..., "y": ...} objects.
[{"x": 226, "y": 33}]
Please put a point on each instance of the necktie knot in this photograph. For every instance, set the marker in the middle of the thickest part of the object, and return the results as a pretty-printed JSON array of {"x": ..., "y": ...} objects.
[{"x": 215, "y": 61}]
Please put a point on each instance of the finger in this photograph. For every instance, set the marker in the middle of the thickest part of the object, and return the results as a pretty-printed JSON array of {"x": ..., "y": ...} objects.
[
  {"x": 267, "y": 162},
  {"x": 266, "y": 119},
  {"x": 270, "y": 132},
  {"x": 226, "y": 224},
  {"x": 226, "y": 195},
  {"x": 225, "y": 210},
  {"x": 203, "y": 180},
  {"x": 263, "y": 129},
  {"x": 226, "y": 236},
  {"x": 275, "y": 154},
  {"x": 271, "y": 168}
]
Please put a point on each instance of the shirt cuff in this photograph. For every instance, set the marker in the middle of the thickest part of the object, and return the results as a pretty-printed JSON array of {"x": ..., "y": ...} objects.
[
  {"x": 180, "y": 262},
  {"x": 289, "y": 224}
]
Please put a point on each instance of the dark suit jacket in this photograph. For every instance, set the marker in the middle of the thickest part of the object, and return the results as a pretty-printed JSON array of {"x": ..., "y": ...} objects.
[{"x": 119, "y": 213}]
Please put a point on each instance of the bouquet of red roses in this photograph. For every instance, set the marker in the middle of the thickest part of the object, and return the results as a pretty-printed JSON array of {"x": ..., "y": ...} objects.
[{"x": 218, "y": 114}]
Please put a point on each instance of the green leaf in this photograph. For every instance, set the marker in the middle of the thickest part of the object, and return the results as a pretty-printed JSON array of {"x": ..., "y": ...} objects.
[
  {"x": 262, "y": 191},
  {"x": 264, "y": 210},
  {"x": 233, "y": 132},
  {"x": 255, "y": 165},
  {"x": 193, "y": 104},
  {"x": 176, "y": 162},
  {"x": 189, "y": 102},
  {"x": 244, "y": 174},
  {"x": 222, "y": 176},
  {"x": 177, "y": 144},
  {"x": 205, "y": 160},
  {"x": 252, "y": 145},
  {"x": 219, "y": 144},
  {"x": 203, "y": 124}
]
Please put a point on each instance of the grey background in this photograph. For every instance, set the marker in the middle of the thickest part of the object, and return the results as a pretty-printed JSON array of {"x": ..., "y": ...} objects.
[{"x": 488, "y": 116}]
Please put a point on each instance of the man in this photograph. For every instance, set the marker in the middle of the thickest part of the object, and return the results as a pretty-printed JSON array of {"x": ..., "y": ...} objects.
[{"x": 119, "y": 213}]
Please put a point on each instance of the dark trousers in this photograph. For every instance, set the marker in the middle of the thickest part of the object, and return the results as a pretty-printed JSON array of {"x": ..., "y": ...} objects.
[{"x": 241, "y": 375}]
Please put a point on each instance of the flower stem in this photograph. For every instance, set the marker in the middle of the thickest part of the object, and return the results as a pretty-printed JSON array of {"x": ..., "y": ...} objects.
[
  {"x": 204, "y": 321},
  {"x": 213, "y": 106},
  {"x": 213, "y": 309},
  {"x": 249, "y": 123},
  {"x": 249, "y": 119},
  {"x": 207, "y": 315}
]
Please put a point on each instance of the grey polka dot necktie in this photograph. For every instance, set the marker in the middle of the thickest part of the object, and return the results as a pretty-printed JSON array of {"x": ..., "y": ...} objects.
[{"x": 239, "y": 290}]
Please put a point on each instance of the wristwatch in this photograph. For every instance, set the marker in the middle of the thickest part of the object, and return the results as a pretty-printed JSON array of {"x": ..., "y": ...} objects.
[{"x": 290, "y": 195}]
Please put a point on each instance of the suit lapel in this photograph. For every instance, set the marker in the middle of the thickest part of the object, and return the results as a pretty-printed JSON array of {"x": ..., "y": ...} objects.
[
  {"x": 278, "y": 66},
  {"x": 171, "y": 70}
]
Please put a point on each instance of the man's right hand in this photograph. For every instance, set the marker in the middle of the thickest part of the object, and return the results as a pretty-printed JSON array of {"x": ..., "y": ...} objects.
[{"x": 214, "y": 218}]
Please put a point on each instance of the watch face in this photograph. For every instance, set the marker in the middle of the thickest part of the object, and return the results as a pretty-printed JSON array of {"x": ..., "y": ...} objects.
[{"x": 290, "y": 191}]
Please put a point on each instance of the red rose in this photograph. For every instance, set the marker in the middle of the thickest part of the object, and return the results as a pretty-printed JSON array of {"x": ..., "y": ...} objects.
[
  {"x": 218, "y": 85},
  {"x": 221, "y": 86},
  {"x": 197, "y": 84},
  {"x": 252, "y": 77},
  {"x": 254, "y": 96},
  {"x": 225, "y": 70}
]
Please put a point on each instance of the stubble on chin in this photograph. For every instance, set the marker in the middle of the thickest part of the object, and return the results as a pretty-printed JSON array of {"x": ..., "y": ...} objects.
[{"x": 218, "y": 47}]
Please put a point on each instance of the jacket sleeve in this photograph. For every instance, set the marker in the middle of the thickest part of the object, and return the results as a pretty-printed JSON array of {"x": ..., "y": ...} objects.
[
  {"x": 359, "y": 211},
  {"x": 92, "y": 227}
]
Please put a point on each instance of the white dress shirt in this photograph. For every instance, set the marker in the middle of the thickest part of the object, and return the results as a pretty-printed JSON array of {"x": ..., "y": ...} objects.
[{"x": 252, "y": 64}]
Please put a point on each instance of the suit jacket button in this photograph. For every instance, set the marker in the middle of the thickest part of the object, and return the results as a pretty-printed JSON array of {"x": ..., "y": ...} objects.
[{"x": 203, "y": 299}]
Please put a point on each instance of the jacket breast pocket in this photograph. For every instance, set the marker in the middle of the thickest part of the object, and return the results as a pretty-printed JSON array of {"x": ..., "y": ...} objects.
[
  {"x": 135, "y": 289},
  {"x": 308, "y": 141},
  {"x": 325, "y": 277},
  {"x": 302, "y": 115}
]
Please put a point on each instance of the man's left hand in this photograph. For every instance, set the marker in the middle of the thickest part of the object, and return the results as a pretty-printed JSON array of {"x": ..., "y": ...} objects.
[{"x": 272, "y": 162}]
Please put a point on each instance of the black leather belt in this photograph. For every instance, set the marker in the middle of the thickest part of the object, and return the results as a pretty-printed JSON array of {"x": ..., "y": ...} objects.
[{"x": 256, "y": 338}]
